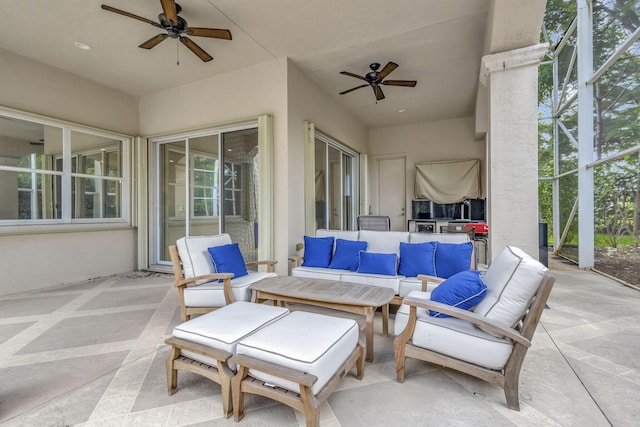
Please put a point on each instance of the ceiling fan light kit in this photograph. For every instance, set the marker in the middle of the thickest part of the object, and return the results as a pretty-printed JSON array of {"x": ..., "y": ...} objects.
[
  {"x": 375, "y": 78},
  {"x": 176, "y": 28}
]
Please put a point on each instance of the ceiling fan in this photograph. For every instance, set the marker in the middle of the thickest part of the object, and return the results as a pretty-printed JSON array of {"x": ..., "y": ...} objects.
[
  {"x": 176, "y": 28},
  {"x": 375, "y": 78}
]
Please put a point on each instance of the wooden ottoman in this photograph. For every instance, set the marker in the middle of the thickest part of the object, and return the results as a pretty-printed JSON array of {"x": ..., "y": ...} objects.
[
  {"x": 204, "y": 344},
  {"x": 298, "y": 361}
]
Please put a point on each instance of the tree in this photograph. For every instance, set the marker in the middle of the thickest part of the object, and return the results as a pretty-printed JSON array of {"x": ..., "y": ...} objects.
[{"x": 616, "y": 112}]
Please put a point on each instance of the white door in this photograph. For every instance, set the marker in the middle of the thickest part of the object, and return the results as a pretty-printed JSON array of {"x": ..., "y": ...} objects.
[{"x": 391, "y": 191}]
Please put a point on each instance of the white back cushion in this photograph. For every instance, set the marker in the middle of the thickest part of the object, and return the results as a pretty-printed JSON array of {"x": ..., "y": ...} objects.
[
  {"x": 337, "y": 234},
  {"x": 386, "y": 242},
  {"x": 196, "y": 260},
  {"x": 512, "y": 280},
  {"x": 439, "y": 237}
]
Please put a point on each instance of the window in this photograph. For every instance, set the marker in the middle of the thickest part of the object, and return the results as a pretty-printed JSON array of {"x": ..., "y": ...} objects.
[
  {"x": 232, "y": 189},
  {"x": 205, "y": 186},
  {"x": 53, "y": 172},
  {"x": 335, "y": 166}
]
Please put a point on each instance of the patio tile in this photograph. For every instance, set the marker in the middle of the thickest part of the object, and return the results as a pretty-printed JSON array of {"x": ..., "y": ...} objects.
[
  {"x": 420, "y": 400},
  {"x": 71, "y": 408},
  {"x": 548, "y": 384},
  {"x": 33, "y": 305},
  {"x": 616, "y": 395},
  {"x": 10, "y": 330},
  {"x": 27, "y": 387},
  {"x": 621, "y": 348},
  {"x": 153, "y": 392},
  {"x": 80, "y": 286},
  {"x": 89, "y": 330},
  {"x": 124, "y": 298}
]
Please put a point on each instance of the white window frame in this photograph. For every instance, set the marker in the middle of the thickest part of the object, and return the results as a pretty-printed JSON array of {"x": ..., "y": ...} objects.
[{"x": 9, "y": 225}]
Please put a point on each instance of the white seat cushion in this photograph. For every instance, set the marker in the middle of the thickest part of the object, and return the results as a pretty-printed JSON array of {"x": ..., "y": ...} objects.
[
  {"x": 512, "y": 280},
  {"x": 313, "y": 343},
  {"x": 455, "y": 337},
  {"x": 211, "y": 294},
  {"x": 196, "y": 260},
  {"x": 318, "y": 273},
  {"x": 223, "y": 328},
  {"x": 380, "y": 280}
]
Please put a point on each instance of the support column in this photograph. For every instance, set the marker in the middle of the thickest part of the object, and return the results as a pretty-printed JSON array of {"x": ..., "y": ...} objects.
[
  {"x": 512, "y": 148},
  {"x": 585, "y": 137}
]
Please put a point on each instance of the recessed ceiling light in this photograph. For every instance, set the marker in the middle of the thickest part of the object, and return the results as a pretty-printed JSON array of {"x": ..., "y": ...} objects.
[
  {"x": 402, "y": 110},
  {"x": 82, "y": 46}
]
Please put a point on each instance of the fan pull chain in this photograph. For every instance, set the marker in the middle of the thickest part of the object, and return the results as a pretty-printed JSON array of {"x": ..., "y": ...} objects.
[{"x": 178, "y": 52}]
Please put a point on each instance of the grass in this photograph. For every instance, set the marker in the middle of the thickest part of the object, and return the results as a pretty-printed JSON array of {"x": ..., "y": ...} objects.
[{"x": 602, "y": 240}]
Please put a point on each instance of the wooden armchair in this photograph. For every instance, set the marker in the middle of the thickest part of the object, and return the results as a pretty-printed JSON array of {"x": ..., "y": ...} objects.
[
  {"x": 200, "y": 287},
  {"x": 489, "y": 342}
]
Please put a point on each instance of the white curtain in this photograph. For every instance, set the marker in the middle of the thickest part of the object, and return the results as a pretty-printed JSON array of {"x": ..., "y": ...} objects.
[{"x": 448, "y": 181}]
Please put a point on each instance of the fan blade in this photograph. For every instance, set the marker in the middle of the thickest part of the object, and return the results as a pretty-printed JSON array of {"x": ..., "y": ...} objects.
[
  {"x": 209, "y": 32},
  {"x": 378, "y": 91},
  {"x": 169, "y": 10},
  {"x": 130, "y": 15},
  {"x": 196, "y": 49},
  {"x": 352, "y": 89},
  {"x": 410, "y": 83},
  {"x": 346, "y": 73},
  {"x": 387, "y": 69},
  {"x": 153, "y": 41}
]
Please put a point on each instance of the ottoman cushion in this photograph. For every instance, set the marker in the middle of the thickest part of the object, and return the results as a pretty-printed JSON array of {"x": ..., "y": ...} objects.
[
  {"x": 223, "y": 328},
  {"x": 309, "y": 342}
]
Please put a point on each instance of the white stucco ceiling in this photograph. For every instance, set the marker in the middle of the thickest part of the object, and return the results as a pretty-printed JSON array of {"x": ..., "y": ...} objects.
[{"x": 439, "y": 43}]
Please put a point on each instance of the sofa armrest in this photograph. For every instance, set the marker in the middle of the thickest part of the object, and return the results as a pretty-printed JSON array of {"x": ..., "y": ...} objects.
[
  {"x": 296, "y": 261},
  {"x": 225, "y": 277},
  {"x": 207, "y": 277},
  {"x": 269, "y": 263},
  {"x": 425, "y": 278}
]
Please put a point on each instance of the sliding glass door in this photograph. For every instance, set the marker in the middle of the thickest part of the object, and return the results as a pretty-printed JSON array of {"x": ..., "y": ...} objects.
[{"x": 207, "y": 184}]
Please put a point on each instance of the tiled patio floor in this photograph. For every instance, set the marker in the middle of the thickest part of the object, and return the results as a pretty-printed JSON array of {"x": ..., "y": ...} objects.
[{"x": 92, "y": 354}]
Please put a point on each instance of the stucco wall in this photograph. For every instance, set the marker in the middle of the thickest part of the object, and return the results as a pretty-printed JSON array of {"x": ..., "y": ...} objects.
[
  {"x": 43, "y": 260},
  {"x": 422, "y": 142},
  {"x": 307, "y": 102},
  {"x": 38, "y": 88},
  {"x": 35, "y": 260}
]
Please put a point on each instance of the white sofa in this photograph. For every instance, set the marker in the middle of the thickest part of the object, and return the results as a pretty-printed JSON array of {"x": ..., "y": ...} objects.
[{"x": 379, "y": 242}]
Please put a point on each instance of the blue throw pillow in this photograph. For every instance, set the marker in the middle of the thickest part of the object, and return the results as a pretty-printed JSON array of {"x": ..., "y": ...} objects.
[
  {"x": 317, "y": 251},
  {"x": 452, "y": 258},
  {"x": 347, "y": 254},
  {"x": 463, "y": 290},
  {"x": 228, "y": 259},
  {"x": 417, "y": 258},
  {"x": 375, "y": 263}
]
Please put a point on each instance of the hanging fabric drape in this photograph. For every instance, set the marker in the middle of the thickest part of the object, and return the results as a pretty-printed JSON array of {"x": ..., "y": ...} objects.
[{"x": 448, "y": 181}]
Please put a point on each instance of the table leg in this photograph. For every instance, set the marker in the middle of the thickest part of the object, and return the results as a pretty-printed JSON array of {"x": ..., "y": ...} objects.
[
  {"x": 385, "y": 320},
  {"x": 368, "y": 330}
]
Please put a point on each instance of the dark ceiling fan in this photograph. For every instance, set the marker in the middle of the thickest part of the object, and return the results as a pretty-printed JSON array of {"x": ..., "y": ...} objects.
[
  {"x": 176, "y": 28},
  {"x": 375, "y": 78}
]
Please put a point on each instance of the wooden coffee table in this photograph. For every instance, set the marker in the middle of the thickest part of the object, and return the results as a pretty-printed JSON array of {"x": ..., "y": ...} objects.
[{"x": 343, "y": 296}]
